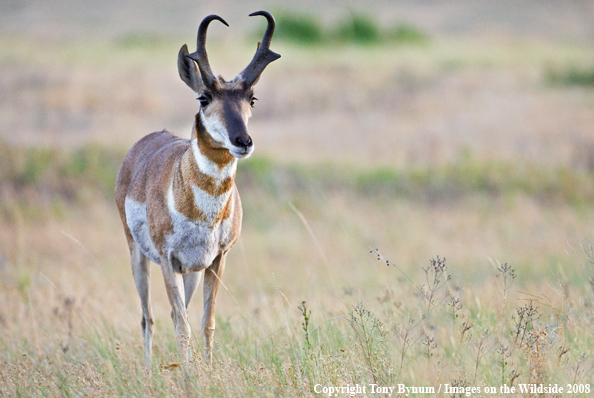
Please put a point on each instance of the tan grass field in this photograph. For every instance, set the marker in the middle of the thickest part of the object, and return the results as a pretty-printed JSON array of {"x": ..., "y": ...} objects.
[{"x": 464, "y": 147}]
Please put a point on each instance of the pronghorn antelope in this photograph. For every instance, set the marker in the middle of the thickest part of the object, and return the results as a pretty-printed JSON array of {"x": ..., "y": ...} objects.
[{"x": 177, "y": 198}]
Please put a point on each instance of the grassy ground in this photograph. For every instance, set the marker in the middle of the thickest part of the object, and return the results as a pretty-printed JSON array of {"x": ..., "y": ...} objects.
[
  {"x": 69, "y": 307},
  {"x": 414, "y": 214}
]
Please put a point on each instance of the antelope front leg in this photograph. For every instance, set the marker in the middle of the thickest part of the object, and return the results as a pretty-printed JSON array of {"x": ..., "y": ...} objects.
[
  {"x": 212, "y": 283},
  {"x": 174, "y": 284}
]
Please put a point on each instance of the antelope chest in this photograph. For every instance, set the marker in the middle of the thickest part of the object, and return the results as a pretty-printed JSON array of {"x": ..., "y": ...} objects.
[{"x": 194, "y": 243}]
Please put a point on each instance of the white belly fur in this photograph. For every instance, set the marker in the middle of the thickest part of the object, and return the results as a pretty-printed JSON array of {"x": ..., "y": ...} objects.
[
  {"x": 138, "y": 225},
  {"x": 194, "y": 244}
]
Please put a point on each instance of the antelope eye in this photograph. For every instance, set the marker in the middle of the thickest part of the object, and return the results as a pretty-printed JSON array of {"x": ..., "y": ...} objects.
[
  {"x": 204, "y": 100},
  {"x": 253, "y": 101}
]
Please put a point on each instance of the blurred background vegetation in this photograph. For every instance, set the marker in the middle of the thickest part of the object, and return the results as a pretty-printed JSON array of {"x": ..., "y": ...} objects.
[
  {"x": 354, "y": 28},
  {"x": 459, "y": 129}
]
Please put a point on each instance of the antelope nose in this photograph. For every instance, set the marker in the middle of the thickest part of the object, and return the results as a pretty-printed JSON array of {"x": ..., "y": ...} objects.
[{"x": 244, "y": 143}]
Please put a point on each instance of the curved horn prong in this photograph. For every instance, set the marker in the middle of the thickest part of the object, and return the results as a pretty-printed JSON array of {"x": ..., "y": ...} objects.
[
  {"x": 200, "y": 55},
  {"x": 263, "y": 56},
  {"x": 267, "y": 39}
]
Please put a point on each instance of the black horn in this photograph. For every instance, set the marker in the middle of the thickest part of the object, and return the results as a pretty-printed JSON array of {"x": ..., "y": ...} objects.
[
  {"x": 200, "y": 55},
  {"x": 263, "y": 56}
]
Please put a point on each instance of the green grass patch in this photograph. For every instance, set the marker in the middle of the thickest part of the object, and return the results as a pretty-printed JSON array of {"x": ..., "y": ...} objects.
[
  {"x": 405, "y": 33},
  {"x": 298, "y": 28},
  {"x": 47, "y": 176},
  {"x": 355, "y": 28},
  {"x": 446, "y": 183},
  {"x": 358, "y": 29},
  {"x": 573, "y": 76},
  {"x": 39, "y": 175}
]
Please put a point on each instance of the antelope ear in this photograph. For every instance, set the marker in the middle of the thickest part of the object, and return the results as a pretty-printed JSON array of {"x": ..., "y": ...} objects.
[{"x": 188, "y": 71}]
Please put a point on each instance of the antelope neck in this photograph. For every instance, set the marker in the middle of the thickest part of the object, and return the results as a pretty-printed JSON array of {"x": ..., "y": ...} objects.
[
  {"x": 216, "y": 163},
  {"x": 206, "y": 146}
]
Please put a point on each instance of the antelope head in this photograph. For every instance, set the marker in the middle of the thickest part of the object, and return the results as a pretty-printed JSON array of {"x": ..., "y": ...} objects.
[{"x": 225, "y": 106}]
